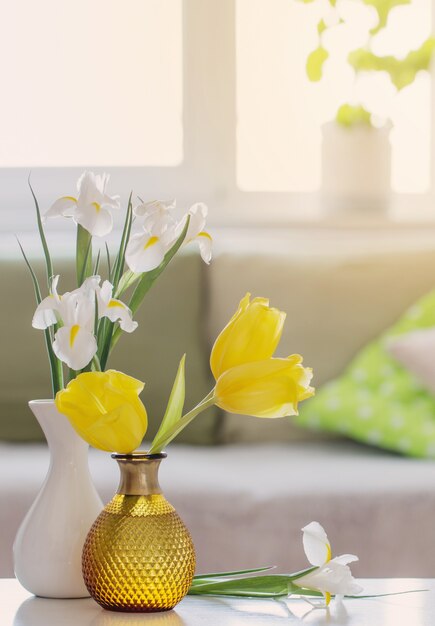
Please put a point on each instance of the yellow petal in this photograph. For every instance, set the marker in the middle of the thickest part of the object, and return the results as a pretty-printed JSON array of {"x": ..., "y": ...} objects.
[
  {"x": 252, "y": 334},
  {"x": 267, "y": 388},
  {"x": 104, "y": 409}
]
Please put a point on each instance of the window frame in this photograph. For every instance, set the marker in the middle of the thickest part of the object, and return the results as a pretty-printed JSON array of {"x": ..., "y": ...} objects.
[{"x": 209, "y": 127}]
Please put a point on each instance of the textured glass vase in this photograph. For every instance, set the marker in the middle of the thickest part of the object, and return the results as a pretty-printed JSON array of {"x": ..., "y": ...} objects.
[{"x": 138, "y": 555}]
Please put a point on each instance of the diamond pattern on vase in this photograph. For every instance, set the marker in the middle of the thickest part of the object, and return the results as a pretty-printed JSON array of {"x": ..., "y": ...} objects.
[{"x": 138, "y": 555}]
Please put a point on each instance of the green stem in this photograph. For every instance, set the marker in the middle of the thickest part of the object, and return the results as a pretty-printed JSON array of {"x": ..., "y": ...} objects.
[
  {"x": 83, "y": 254},
  {"x": 96, "y": 365},
  {"x": 158, "y": 445}
]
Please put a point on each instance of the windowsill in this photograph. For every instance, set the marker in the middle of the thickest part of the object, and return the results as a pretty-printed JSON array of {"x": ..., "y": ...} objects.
[{"x": 331, "y": 236}]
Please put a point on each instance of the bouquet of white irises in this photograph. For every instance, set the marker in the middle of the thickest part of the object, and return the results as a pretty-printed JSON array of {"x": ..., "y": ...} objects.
[{"x": 82, "y": 326}]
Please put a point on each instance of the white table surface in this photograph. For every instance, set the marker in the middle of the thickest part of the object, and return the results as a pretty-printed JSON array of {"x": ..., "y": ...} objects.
[{"x": 20, "y": 608}]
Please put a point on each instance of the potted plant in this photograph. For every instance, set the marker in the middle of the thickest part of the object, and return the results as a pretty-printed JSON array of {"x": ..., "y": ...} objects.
[{"x": 356, "y": 151}]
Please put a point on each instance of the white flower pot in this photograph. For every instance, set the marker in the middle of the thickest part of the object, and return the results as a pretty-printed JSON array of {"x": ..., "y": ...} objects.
[
  {"x": 49, "y": 542},
  {"x": 356, "y": 167}
]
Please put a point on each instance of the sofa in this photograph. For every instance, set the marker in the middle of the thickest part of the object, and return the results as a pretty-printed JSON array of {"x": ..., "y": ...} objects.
[{"x": 245, "y": 486}]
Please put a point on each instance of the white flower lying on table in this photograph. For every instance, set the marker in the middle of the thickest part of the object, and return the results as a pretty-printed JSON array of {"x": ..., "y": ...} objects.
[
  {"x": 326, "y": 577},
  {"x": 332, "y": 575}
]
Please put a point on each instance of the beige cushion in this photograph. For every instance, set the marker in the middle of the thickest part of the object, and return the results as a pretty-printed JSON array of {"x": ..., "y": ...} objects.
[
  {"x": 169, "y": 325},
  {"x": 336, "y": 301}
]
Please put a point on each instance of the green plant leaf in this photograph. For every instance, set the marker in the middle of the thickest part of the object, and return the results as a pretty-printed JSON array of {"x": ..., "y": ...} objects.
[
  {"x": 56, "y": 371},
  {"x": 268, "y": 586},
  {"x": 83, "y": 254},
  {"x": 321, "y": 27},
  {"x": 349, "y": 115},
  {"x": 240, "y": 572},
  {"x": 97, "y": 264},
  {"x": 175, "y": 406},
  {"x": 383, "y": 8},
  {"x": 48, "y": 262},
  {"x": 171, "y": 433},
  {"x": 128, "y": 279},
  {"x": 118, "y": 266},
  {"x": 315, "y": 63},
  {"x": 402, "y": 72},
  {"x": 109, "y": 265}
]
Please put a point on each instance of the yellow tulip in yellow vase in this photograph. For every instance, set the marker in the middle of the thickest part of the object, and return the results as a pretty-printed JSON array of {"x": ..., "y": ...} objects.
[{"x": 138, "y": 555}]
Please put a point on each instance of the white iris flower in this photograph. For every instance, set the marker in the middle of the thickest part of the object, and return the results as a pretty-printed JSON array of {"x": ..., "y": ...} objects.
[
  {"x": 147, "y": 248},
  {"x": 74, "y": 342},
  {"x": 332, "y": 576},
  {"x": 91, "y": 207}
]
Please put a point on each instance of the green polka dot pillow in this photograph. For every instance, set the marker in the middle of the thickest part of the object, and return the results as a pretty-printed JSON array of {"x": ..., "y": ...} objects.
[{"x": 378, "y": 400}]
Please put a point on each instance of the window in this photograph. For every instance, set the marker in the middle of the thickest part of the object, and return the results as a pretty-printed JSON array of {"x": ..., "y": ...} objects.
[{"x": 196, "y": 99}]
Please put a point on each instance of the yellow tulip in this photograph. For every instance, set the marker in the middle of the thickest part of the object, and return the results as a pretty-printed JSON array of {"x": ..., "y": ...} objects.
[
  {"x": 105, "y": 410},
  {"x": 252, "y": 334},
  {"x": 266, "y": 388}
]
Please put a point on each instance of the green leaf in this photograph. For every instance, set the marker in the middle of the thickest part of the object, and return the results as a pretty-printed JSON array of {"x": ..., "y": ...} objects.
[
  {"x": 83, "y": 254},
  {"x": 402, "y": 72},
  {"x": 105, "y": 331},
  {"x": 127, "y": 280},
  {"x": 48, "y": 262},
  {"x": 56, "y": 371},
  {"x": 109, "y": 265},
  {"x": 321, "y": 27},
  {"x": 118, "y": 266},
  {"x": 270, "y": 586},
  {"x": 171, "y": 433},
  {"x": 240, "y": 572},
  {"x": 97, "y": 264},
  {"x": 349, "y": 115},
  {"x": 315, "y": 63},
  {"x": 175, "y": 406},
  {"x": 383, "y": 8}
]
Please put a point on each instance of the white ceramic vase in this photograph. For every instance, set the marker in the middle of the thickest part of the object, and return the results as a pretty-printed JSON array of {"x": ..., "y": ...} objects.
[
  {"x": 356, "y": 168},
  {"x": 49, "y": 542}
]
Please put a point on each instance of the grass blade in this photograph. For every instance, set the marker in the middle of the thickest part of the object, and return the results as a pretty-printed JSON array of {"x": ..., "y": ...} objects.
[
  {"x": 109, "y": 265},
  {"x": 48, "y": 262},
  {"x": 118, "y": 267},
  {"x": 97, "y": 264},
  {"x": 56, "y": 371},
  {"x": 83, "y": 254}
]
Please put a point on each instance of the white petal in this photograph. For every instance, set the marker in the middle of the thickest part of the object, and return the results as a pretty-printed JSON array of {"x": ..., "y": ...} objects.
[
  {"x": 345, "y": 559},
  {"x": 87, "y": 188},
  {"x": 63, "y": 207},
  {"x": 198, "y": 213},
  {"x": 316, "y": 544},
  {"x": 75, "y": 346},
  {"x": 331, "y": 578},
  {"x": 105, "y": 293},
  {"x": 97, "y": 220},
  {"x": 205, "y": 246},
  {"x": 117, "y": 311},
  {"x": 45, "y": 315},
  {"x": 153, "y": 206},
  {"x": 144, "y": 252}
]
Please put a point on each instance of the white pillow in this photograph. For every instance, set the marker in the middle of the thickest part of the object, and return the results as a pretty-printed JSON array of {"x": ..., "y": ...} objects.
[{"x": 416, "y": 352}]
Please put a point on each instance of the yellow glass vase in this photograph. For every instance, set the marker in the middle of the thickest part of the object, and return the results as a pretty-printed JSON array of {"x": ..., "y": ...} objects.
[{"x": 138, "y": 555}]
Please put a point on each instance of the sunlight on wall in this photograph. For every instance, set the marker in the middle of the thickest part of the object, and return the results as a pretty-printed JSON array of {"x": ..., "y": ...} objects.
[
  {"x": 90, "y": 91},
  {"x": 280, "y": 113}
]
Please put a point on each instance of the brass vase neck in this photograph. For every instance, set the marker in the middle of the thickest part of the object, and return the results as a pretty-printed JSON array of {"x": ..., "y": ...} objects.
[{"x": 139, "y": 473}]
